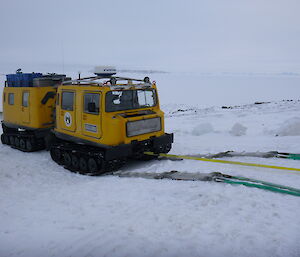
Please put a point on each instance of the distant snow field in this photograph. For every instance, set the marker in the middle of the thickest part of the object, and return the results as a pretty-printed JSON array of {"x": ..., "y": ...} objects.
[
  {"x": 46, "y": 210},
  {"x": 205, "y": 89}
]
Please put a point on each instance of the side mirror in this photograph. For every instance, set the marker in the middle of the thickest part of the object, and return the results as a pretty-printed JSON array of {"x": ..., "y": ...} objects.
[{"x": 91, "y": 107}]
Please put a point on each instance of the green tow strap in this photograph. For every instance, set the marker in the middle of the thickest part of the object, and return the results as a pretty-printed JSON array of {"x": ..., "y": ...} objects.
[
  {"x": 265, "y": 187},
  {"x": 294, "y": 156},
  {"x": 213, "y": 176},
  {"x": 266, "y": 183}
]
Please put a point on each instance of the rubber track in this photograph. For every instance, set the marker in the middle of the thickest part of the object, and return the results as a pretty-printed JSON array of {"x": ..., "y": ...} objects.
[
  {"x": 36, "y": 143},
  {"x": 86, "y": 152}
]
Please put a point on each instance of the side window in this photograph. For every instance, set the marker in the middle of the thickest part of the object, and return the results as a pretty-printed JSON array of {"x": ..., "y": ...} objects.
[
  {"x": 11, "y": 98},
  {"x": 91, "y": 103},
  {"x": 25, "y": 99},
  {"x": 57, "y": 99},
  {"x": 67, "y": 101}
]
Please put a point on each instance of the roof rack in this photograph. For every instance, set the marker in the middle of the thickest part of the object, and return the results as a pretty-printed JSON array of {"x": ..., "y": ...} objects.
[{"x": 110, "y": 81}]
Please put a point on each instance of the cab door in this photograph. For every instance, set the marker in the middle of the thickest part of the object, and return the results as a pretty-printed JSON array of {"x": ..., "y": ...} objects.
[
  {"x": 25, "y": 107},
  {"x": 91, "y": 114},
  {"x": 67, "y": 111}
]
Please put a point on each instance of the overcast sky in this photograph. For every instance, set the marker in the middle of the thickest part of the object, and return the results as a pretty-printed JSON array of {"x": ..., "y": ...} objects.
[{"x": 210, "y": 35}]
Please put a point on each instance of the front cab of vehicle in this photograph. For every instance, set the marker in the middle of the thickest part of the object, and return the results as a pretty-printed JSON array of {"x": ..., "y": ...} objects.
[{"x": 124, "y": 117}]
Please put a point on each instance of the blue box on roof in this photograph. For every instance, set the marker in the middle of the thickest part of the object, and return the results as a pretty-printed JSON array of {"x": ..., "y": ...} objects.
[
  {"x": 22, "y": 79},
  {"x": 11, "y": 80}
]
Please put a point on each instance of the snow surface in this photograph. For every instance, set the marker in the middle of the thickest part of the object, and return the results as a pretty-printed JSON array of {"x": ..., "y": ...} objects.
[
  {"x": 238, "y": 130},
  {"x": 46, "y": 210}
]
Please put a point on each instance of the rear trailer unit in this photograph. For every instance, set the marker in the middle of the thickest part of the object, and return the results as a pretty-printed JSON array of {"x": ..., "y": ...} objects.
[{"x": 28, "y": 109}]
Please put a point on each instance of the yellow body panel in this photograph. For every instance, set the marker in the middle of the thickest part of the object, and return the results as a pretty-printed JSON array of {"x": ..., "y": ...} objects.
[
  {"x": 34, "y": 114},
  {"x": 109, "y": 127}
]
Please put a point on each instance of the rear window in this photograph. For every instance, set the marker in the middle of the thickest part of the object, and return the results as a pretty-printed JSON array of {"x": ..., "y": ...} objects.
[
  {"x": 67, "y": 101},
  {"x": 11, "y": 98},
  {"x": 25, "y": 99}
]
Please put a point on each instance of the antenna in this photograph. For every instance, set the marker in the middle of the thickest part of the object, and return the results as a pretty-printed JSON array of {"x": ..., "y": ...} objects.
[{"x": 63, "y": 56}]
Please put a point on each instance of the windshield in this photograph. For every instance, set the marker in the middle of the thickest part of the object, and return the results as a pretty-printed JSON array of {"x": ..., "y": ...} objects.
[{"x": 129, "y": 99}]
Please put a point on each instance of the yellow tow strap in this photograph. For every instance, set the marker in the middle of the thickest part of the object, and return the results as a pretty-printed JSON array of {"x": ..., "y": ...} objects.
[{"x": 221, "y": 161}]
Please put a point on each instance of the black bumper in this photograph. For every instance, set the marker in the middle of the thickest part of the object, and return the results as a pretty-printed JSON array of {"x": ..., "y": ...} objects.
[{"x": 160, "y": 144}]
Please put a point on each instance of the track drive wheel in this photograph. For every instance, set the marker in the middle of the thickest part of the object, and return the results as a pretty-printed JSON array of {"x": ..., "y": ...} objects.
[
  {"x": 29, "y": 146},
  {"x": 83, "y": 166},
  {"x": 11, "y": 140},
  {"x": 67, "y": 159},
  {"x": 75, "y": 161},
  {"x": 92, "y": 165},
  {"x": 22, "y": 144},
  {"x": 55, "y": 154},
  {"x": 17, "y": 142},
  {"x": 4, "y": 139}
]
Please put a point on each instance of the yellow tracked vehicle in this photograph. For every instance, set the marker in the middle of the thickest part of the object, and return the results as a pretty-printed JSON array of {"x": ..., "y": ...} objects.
[
  {"x": 99, "y": 124},
  {"x": 90, "y": 125}
]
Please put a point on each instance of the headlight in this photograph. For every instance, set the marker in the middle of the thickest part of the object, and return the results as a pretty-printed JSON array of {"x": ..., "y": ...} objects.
[{"x": 140, "y": 127}]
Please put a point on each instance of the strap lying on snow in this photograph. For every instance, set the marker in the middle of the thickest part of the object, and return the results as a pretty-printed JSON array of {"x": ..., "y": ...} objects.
[
  {"x": 294, "y": 156},
  {"x": 214, "y": 176},
  {"x": 271, "y": 154},
  {"x": 221, "y": 161},
  {"x": 259, "y": 184}
]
